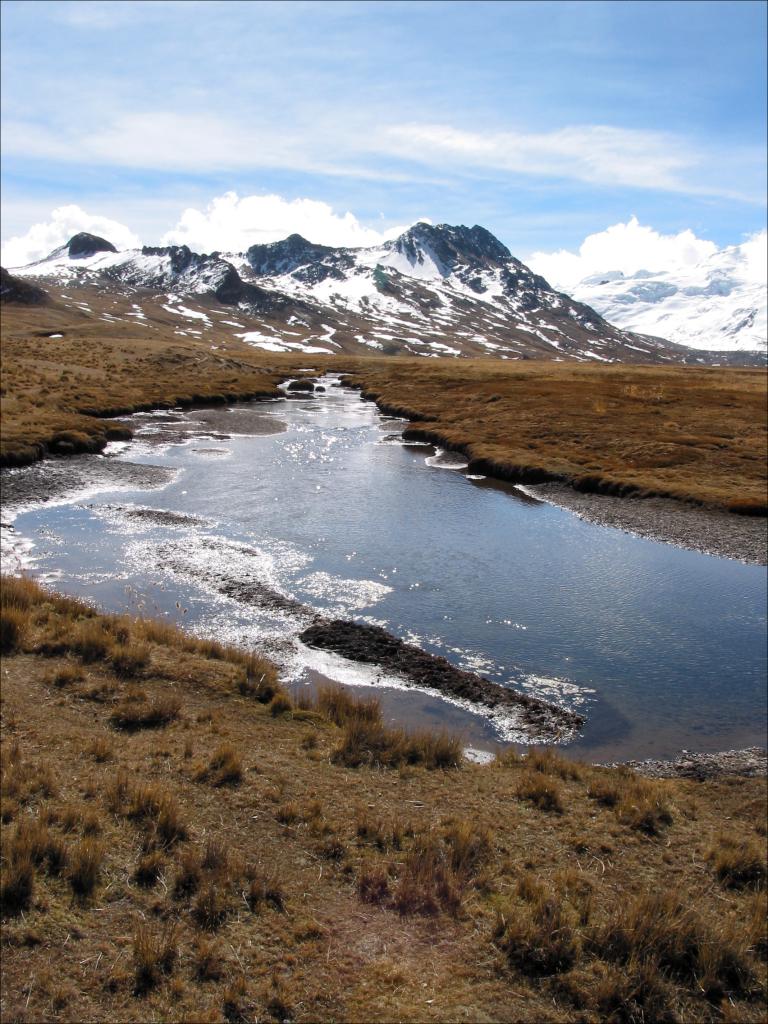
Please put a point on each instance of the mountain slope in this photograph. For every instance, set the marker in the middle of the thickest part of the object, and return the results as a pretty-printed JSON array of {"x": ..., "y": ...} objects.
[
  {"x": 720, "y": 303},
  {"x": 435, "y": 290}
]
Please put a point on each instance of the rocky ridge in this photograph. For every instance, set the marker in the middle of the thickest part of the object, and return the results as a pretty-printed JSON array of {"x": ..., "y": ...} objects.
[{"x": 433, "y": 291}]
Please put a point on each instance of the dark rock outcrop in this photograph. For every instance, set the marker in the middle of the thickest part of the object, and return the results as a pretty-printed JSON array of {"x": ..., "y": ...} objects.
[
  {"x": 375, "y": 646},
  {"x": 14, "y": 289},
  {"x": 84, "y": 244}
]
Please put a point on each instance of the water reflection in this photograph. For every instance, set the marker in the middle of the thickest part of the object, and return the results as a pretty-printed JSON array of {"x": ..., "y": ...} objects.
[{"x": 316, "y": 500}]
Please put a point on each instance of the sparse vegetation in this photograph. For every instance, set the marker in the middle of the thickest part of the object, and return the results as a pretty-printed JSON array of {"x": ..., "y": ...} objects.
[
  {"x": 143, "y": 713},
  {"x": 373, "y": 876},
  {"x": 739, "y": 863},
  {"x": 613, "y": 429},
  {"x": 224, "y": 769}
]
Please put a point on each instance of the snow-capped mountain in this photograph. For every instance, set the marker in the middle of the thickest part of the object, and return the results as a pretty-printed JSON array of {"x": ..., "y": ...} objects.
[
  {"x": 435, "y": 290},
  {"x": 720, "y": 303}
]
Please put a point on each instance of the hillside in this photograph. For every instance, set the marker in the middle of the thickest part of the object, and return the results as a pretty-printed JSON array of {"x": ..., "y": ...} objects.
[
  {"x": 434, "y": 291},
  {"x": 181, "y": 841}
]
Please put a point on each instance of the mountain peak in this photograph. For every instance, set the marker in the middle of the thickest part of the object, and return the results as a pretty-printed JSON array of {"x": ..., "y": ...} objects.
[
  {"x": 452, "y": 245},
  {"x": 284, "y": 256},
  {"x": 83, "y": 244}
]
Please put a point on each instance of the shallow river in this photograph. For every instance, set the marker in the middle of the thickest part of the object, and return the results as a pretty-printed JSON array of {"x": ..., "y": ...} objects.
[{"x": 318, "y": 499}]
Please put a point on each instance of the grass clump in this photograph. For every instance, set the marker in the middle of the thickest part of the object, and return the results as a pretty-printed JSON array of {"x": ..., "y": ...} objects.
[
  {"x": 68, "y": 675},
  {"x": 149, "y": 868},
  {"x": 85, "y": 867},
  {"x": 548, "y": 762},
  {"x": 538, "y": 935},
  {"x": 281, "y": 704},
  {"x": 366, "y": 740},
  {"x": 373, "y": 883},
  {"x": 208, "y": 961},
  {"x": 384, "y": 835},
  {"x": 189, "y": 874},
  {"x": 639, "y": 803},
  {"x": 224, "y": 769},
  {"x": 154, "y": 955},
  {"x": 100, "y": 749},
  {"x": 132, "y": 715},
  {"x": 210, "y": 907},
  {"x": 129, "y": 660},
  {"x": 92, "y": 640},
  {"x": 541, "y": 791},
  {"x": 18, "y": 874},
  {"x": 427, "y": 883},
  {"x": 658, "y": 928},
  {"x": 14, "y": 624},
  {"x": 151, "y": 806},
  {"x": 739, "y": 863},
  {"x": 264, "y": 889}
]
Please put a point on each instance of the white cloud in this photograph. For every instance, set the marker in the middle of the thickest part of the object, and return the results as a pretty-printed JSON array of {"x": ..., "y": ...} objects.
[
  {"x": 229, "y": 223},
  {"x": 232, "y": 224},
  {"x": 626, "y": 247},
  {"x": 755, "y": 252},
  {"x": 598, "y": 154},
  {"x": 347, "y": 144},
  {"x": 65, "y": 221}
]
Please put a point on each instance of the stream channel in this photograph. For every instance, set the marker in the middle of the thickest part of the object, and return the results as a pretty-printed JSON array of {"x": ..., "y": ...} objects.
[{"x": 241, "y": 522}]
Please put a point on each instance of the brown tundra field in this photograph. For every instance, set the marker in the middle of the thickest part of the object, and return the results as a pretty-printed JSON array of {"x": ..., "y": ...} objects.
[{"x": 184, "y": 841}]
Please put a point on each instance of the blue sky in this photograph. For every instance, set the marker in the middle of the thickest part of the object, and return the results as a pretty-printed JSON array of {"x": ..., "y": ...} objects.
[{"x": 543, "y": 121}]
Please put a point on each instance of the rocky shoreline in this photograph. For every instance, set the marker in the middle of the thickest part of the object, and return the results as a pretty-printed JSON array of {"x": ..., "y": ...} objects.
[
  {"x": 752, "y": 762},
  {"x": 724, "y": 534},
  {"x": 711, "y": 531}
]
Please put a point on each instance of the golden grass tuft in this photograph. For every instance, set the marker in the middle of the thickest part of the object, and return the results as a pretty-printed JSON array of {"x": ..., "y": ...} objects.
[
  {"x": 224, "y": 769},
  {"x": 539, "y": 935},
  {"x": 541, "y": 791},
  {"x": 131, "y": 715},
  {"x": 85, "y": 865},
  {"x": 14, "y": 626},
  {"x": 129, "y": 660},
  {"x": 659, "y": 928},
  {"x": 739, "y": 863},
  {"x": 210, "y": 907},
  {"x": 373, "y": 883},
  {"x": 208, "y": 960},
  {"x": 149, "y": 868},
  {"x": 264, "y": 889},
  {"x": 548, "y": 762},
  {"x": 640, "y": 803},
  {"x": 154, "y": 956}
]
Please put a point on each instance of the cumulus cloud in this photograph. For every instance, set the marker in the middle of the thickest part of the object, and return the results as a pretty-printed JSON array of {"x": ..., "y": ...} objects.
[
  {"x": 626, "y": 247},
  {"x": 232, "y": 223},
  {"x": 229, "y": 223},
  {"x": 65, "y": 221}
]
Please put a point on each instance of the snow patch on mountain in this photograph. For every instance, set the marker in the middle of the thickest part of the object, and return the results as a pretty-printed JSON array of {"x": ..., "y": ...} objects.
[
  {"x": 677, "y": 287},
  {"x": 714, "y": 305}
]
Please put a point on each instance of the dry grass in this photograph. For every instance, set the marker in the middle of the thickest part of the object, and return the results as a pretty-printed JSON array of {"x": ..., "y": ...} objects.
[
  {"x": 377, "y": 892},
  {"x": 540, "y": 791},
  {"x": 85, "y": 866},
  {"x": 688, "y": 433},
  {"x": 154, "y": 955},
  {"x": 366, "y": 740},
  {"x": 224, "y": 769},
  {"x": 739, "y": 862},
  {"x": 640, "y": 803},
  {"x": 50, "y": 396},
  {"x": 143, "y": 713}
]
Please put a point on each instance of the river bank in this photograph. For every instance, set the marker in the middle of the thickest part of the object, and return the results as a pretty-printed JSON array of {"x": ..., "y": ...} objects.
[
  {"x": 203, "y": 849},
  {"x": 230, "y": 549},
  {"x": 711, "y": 531}
]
